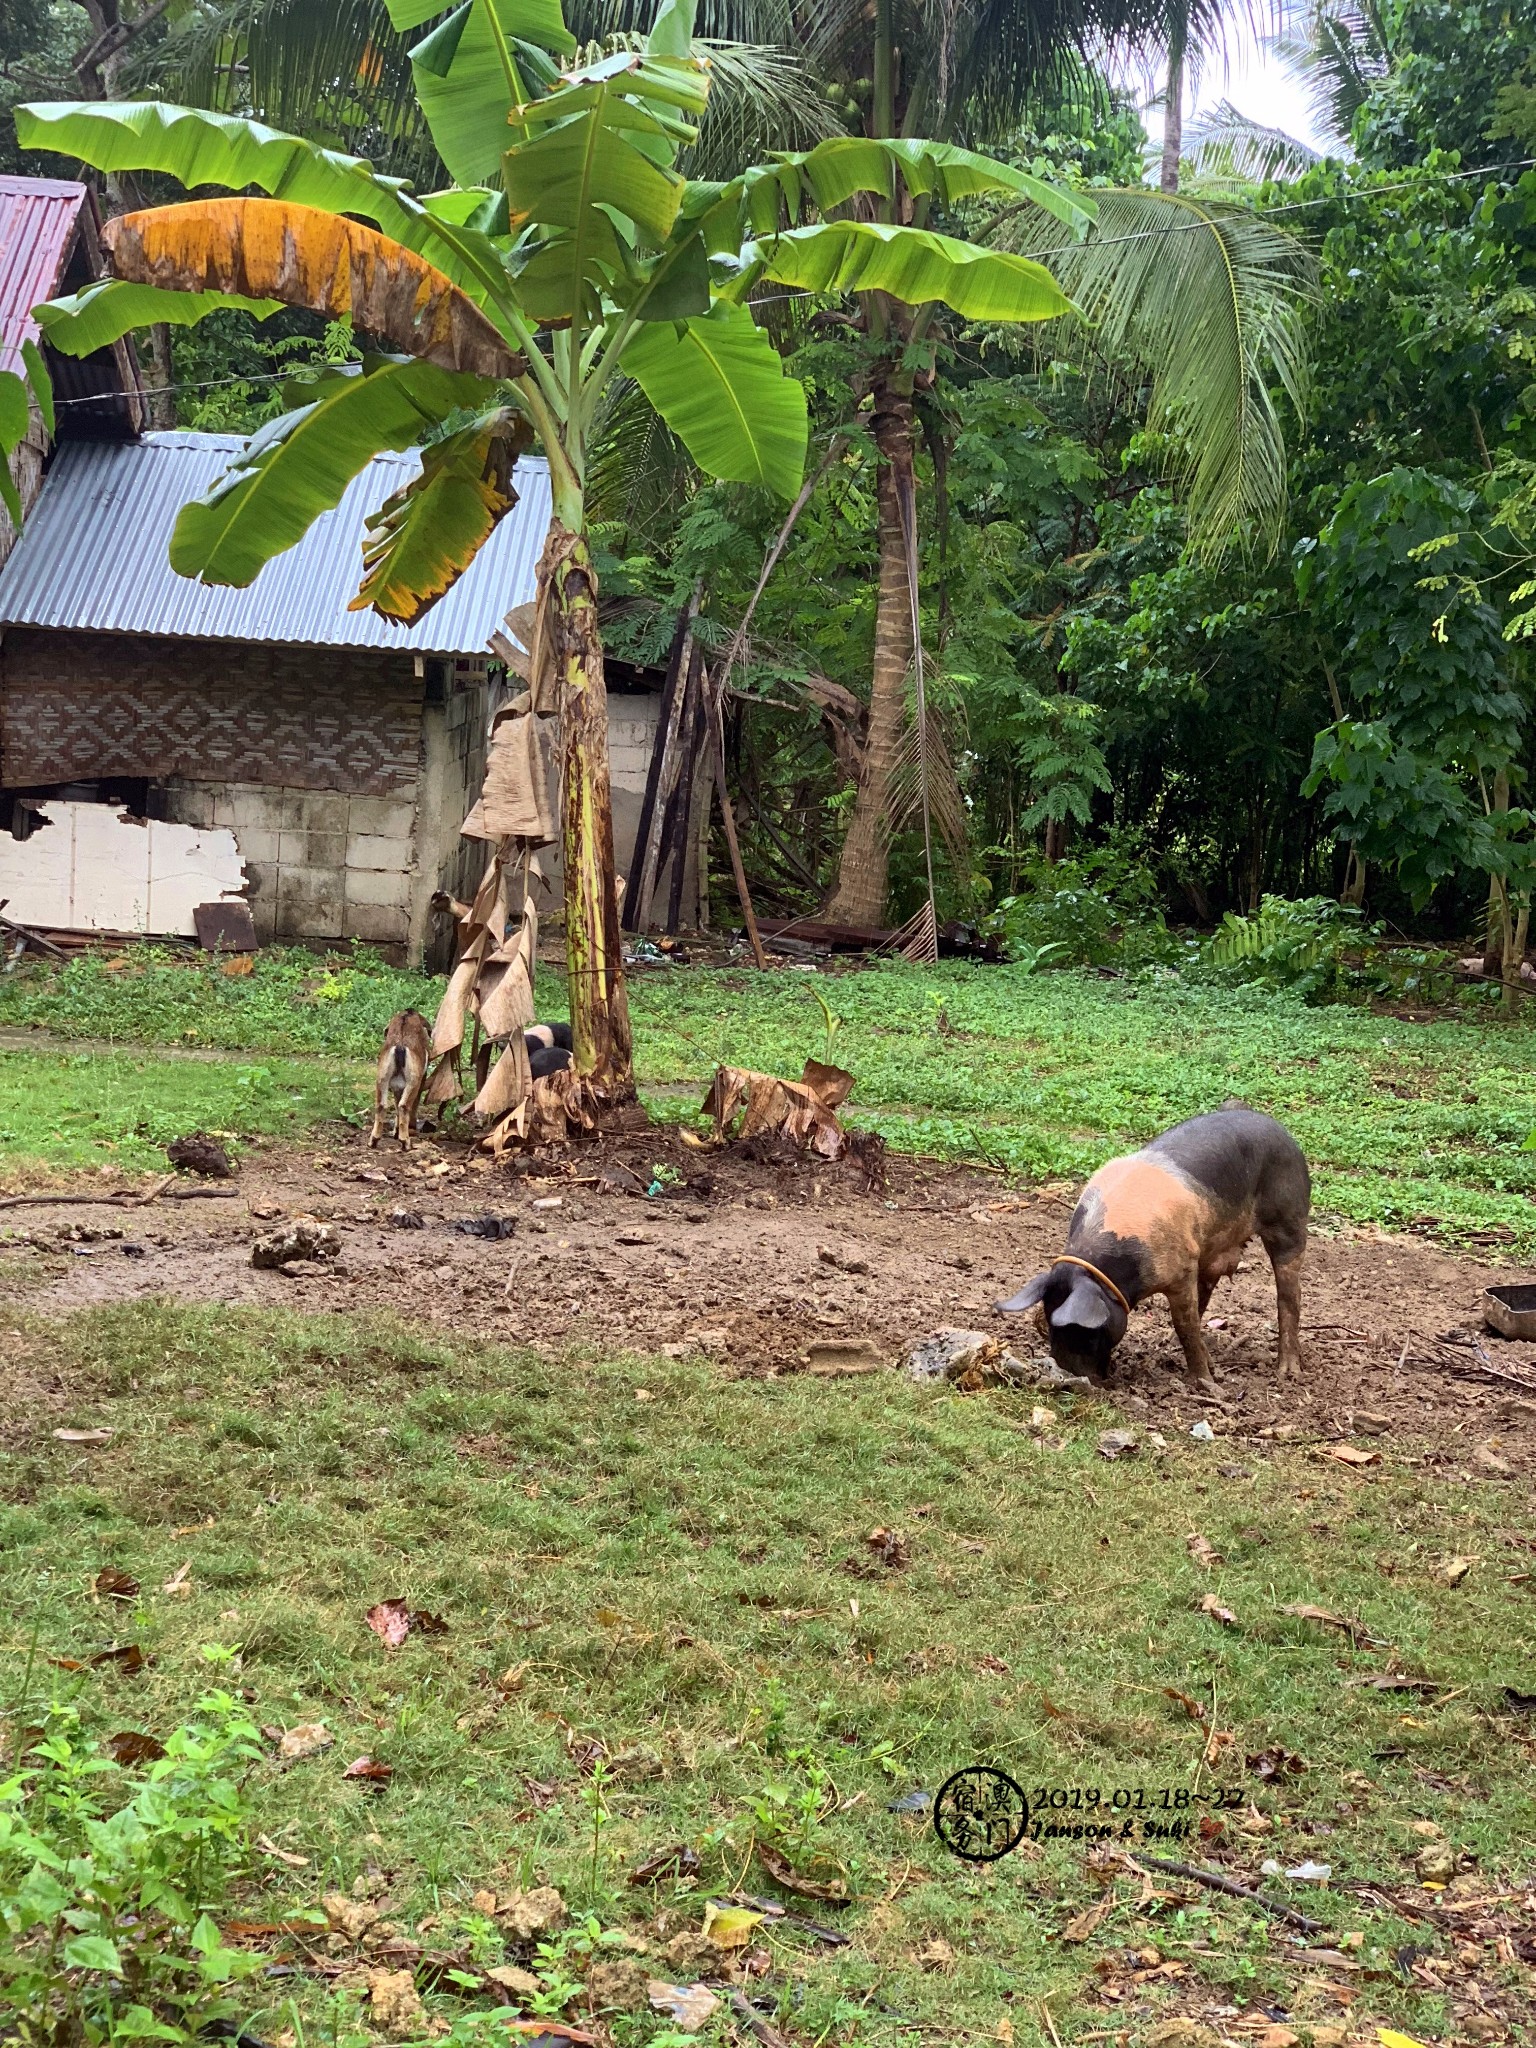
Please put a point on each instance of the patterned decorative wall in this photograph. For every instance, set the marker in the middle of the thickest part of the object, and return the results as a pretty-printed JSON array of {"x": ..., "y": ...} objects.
[{"x": 74, "y": 706}]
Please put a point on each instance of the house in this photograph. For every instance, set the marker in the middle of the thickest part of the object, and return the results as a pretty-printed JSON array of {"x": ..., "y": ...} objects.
[
  {"x": 318, "y": 760},
  {"x": 49, "y": 245}
]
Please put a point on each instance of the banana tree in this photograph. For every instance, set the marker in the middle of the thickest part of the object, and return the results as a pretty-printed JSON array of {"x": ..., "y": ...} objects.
[{"x": 570, "y": 252}]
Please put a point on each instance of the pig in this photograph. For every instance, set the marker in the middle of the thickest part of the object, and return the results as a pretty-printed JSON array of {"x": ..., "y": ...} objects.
[
  {"x": 1173, "y": 1219},
  {"x": 547, "y": 1059},
  {"x": 539, "y": 1036}
]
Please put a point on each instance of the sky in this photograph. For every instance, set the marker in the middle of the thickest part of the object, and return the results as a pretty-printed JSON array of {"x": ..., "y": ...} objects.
[{"x": 1253, "y": 79}]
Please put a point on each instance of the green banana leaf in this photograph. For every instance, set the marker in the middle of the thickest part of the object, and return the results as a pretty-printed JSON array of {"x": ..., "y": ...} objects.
[
  {"x": 467, "y": 77},
  {"x": 911, "y": 264},
  {"x": 539, "y": 21},
  {"x": 720, "y": 385},
  {"x": 298, "y": 466},
  {"x": 40, "y": 381},
  {"x": 421, "y": 540},
  {"x": 106, "y": 311}
]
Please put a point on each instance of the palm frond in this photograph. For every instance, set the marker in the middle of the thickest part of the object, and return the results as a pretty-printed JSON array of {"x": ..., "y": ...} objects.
[
  {"x": 332, "y": 69},
  {"x": 1205, "y": 304},
  {"x": 1341, "y": 50},
  {"x": 926, "y": 750},
  {"x": 761, "y": 97},
  {"x": 1229, "y": 147}
]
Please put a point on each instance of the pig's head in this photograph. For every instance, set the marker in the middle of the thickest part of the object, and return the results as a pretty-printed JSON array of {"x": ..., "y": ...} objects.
[{"x": 1083, "y": 1321}]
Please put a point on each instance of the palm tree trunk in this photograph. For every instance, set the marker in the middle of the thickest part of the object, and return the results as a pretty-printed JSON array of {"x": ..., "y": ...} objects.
[
  {"x": 863, "y": 873},
  {"x": 593, "y": 946},
  {"x": 1173, "y": 118}
]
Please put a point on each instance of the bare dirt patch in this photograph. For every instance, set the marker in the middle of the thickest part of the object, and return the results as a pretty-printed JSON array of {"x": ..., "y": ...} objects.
[{"x": 750, "y": 1259}]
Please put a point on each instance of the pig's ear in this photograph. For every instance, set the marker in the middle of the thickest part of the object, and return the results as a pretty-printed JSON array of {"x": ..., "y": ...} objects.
[
  {"x": 1085, "y": 1308},
  {"x": 1027, "y": 1297}
]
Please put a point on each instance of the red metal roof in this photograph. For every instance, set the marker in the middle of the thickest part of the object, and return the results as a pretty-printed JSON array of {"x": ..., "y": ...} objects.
[{"x": 38, "y": 220}]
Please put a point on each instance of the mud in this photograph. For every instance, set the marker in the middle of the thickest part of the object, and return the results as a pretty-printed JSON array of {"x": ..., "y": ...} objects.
[{"x": 748, "y": 1259}]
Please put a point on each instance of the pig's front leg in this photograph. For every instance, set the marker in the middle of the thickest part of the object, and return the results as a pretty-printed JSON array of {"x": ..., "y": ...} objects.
[
  {"x": 1288, "y": 1304},
  {"x": 1184, "y": 1306}
]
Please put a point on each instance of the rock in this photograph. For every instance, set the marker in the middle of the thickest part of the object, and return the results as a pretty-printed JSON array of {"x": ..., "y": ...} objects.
[
  {"x": 516, "y": 1983},
  {"x": 1233, "y": 1472},
  {"x": 971, "y": 1359},
  {"x": 692, "y": 1954},
  {"x": 1203, "y": 1433},
  {"x": 1436, "y": 1862},
  {"x": 1369, "y": 1423},
  {"x": 834, "y": 1358},
  {"x": 305, "y": 1237},
  {"x": 1486, "y": 1459},
  {"x": 198, "y": 1153},
  {"x": 829, "y": 1255},
  {"x": 406, "y": 1219},
  {"x": 947, "y": 1351},
  {"x": 483, "y": 1902},
  {"x": 618, "y": 1986},
  {"x": 1046, "y": 1375},
  {"x": 346, "y": 1916},
  {"x": 396, "y": 2009},
  {"x": 529, "y": 1916},
  {"x": 1117, "y": 1443}
]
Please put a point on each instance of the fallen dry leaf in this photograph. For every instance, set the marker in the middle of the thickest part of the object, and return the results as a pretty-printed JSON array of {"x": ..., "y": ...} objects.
[
  {"x": 129, "y": 1746},
  {"x": 1220, "y": 1741},
  {"x": 1452, "y": 1570},
  {"x": 1351, "y": 1454},
  {"x": 112, "y": 1584},
  {"x": 936, "y": 1955},
  {"x": 1202, "y": 1550},
  {"x": 178, "y": 1584},
  {"x": 783, "y": 1872},
  {"x": 1209, "y": 1604},
  {"x": 730, "y": 1927},
  {"x": 308, "y": 1739},
  {"x": 1182, "y": 1699},
  {"x": 370, "y": 1768},
  {"x": 1277, "y": 1762},
  {"x": 128, "y": 1658},
  {"x": 83, "y": 1436},
  {"x": 1305, "y": 1611},
  {"x": 268, "y": 1847},
  {"x": 1085, "y": 1923},
  {"x": 891, "y": 1549},
  {"x": 688, "y": 2006},
  {"x": 678, "y": 1861},
  {"x": 1117, "y": 1443}
]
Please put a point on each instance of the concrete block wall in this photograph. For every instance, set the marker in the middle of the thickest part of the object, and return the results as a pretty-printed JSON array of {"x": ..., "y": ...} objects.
[{"x": 322, "y": 865}]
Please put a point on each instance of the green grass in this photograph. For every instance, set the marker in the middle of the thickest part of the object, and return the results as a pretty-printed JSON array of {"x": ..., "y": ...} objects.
[
  {"x": 669, "y": 1572},
  {"x": 1404, "y": 1123},
  {"x": 122, "y": 1108}
]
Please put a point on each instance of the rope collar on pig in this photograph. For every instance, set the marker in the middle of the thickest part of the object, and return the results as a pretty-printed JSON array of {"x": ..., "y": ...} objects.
[{"x": 1068, "y": 1259}]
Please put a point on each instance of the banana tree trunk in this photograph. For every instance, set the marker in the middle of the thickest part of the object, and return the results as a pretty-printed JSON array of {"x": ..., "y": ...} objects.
[
  {"x": 593, "y": 947},
  {"x": 863, "y": 873}
]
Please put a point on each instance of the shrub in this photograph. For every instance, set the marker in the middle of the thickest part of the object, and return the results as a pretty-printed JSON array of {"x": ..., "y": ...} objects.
[{"x": 106, "y": 1932}]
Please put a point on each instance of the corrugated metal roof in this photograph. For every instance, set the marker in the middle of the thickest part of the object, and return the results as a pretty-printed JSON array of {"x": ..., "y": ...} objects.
[
  {"x": 93, "y": 556},
  {"x": 37, "y": 223}
]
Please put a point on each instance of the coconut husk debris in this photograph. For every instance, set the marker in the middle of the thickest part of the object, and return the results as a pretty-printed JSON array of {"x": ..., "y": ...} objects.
[{"x": 803, "y": 1111}]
